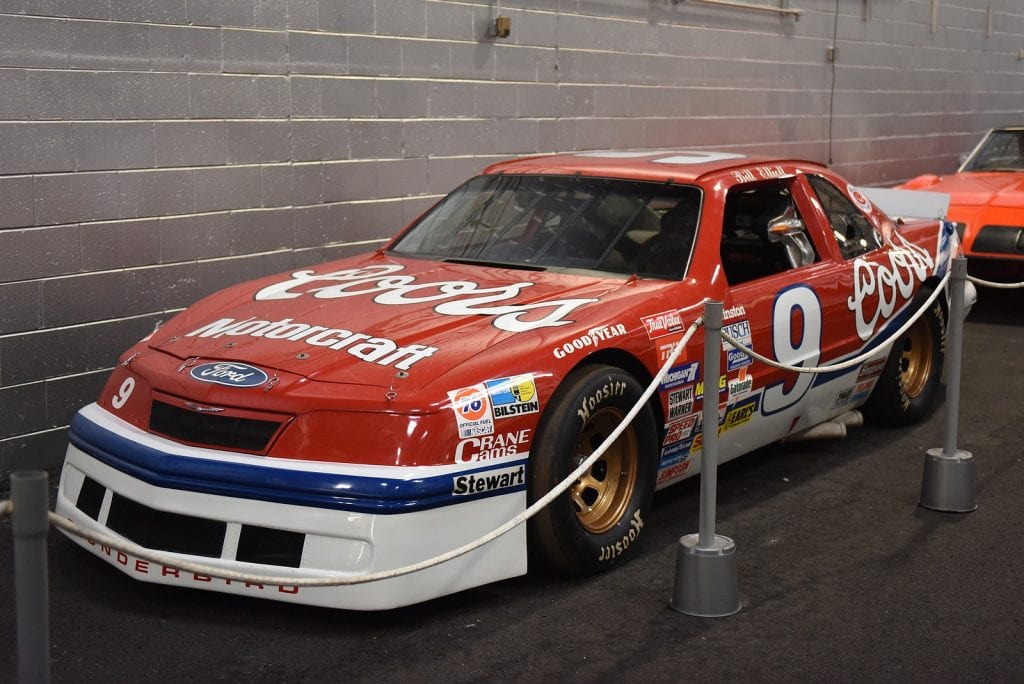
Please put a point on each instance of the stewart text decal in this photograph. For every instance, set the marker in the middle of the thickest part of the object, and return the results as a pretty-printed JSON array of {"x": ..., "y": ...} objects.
[{"x": 455, "y": 297}]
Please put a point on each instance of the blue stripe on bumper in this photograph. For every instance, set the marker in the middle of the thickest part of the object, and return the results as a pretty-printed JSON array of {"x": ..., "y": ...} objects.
[{"x": 301, "y": 488}]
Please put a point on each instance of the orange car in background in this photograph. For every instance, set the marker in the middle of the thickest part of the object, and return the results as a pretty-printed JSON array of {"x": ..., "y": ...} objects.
[{"x": 987, "y": 203}]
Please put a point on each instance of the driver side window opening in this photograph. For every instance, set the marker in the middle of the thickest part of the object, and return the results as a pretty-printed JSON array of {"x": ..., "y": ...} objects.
[
  {"x": 763, "y": 233},
  {"x": 852, "y": 230}
]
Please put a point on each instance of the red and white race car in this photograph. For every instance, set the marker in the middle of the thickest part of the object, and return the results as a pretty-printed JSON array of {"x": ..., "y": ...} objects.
[{"x": 376, "y": 411}]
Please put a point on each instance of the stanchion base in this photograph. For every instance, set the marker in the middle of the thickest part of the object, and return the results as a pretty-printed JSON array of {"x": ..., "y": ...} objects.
[
  {"x": 706, "y": 581},
  {"x": 948, "y": 482}
]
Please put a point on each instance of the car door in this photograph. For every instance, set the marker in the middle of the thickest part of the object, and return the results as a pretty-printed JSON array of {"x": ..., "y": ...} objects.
[{"x": 783, "y": 291}]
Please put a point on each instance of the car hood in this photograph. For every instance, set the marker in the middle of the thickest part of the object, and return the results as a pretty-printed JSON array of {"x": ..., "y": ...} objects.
[
  {"x": 367, "y": 320},
  {"x": 996, "y": 189}
]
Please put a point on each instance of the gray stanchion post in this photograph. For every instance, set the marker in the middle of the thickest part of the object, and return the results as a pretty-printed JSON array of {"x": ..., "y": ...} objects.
[
  {"x": 706, "y": 583},
  {"x": 29, "y": 521},
  {"x": 948, "y": 480}
]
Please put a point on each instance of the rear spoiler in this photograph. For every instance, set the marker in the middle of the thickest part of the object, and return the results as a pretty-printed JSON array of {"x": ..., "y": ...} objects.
[{"x": 908, "y": 203}]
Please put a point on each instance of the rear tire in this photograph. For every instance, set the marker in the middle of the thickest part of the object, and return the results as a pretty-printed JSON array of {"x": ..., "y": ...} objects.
[
  {"x": 908, "y": 388},
  {"x": 598, "y": 519}
]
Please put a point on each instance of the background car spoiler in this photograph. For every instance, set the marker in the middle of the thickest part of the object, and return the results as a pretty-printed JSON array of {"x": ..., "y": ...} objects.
[{"x": 909, "y": 203}]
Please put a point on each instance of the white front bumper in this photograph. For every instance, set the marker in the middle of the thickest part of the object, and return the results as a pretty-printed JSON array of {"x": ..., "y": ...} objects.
[{"x": 337, "y": 543}]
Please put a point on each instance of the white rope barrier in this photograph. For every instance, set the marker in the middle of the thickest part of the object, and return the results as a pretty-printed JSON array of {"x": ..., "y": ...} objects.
[
  {"x": 334, "y": 580},
  {"x": 849, "y": 363},
  {"x": 997, "y": 286}
]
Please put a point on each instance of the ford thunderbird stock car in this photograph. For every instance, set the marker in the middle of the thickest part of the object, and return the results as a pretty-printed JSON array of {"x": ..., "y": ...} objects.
[
  {"x": 376, "y": 411},
  {"x": 987, "y": 203}
]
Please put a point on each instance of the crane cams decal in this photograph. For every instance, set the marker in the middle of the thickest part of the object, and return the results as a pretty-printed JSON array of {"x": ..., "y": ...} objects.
[
  {"x": 229, "y": 374},
  {"x": 492, "y": 447},
  {"x": 456, "y": 297}
]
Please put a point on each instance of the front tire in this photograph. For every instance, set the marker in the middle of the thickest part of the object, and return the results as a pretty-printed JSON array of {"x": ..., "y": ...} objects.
[
  {"x": 598, "y": 519},
  {"x": 908, "y": 388}
]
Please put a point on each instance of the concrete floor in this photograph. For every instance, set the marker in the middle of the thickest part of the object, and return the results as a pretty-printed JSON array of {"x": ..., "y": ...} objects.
[{"x": 843, "y": 577}]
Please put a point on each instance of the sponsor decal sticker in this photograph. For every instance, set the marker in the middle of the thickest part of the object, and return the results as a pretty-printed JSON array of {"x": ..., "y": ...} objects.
[
  {"x": 489, "y": 481},
  {"x": 843, "y": 397},
  {"x": 871, "y": 369},
  {"x": 678, "y": 430},
  {"x": 741, "y": 385},
  {"x": 859, "y": 198},
  {"x": 680, "y": 402},
  {"x": 513, "y": 396},
  {"x": 662, "y": 324},
  {"x": 876, "y": 285},
  {"x": 740, "y": 331},
  {"x": 472, "y": 407},
  {"x": 229, "y": 374},
  {"x": 674, "y": 471},
  {"x": 453, "y": 297},
  {"x": 734, "y": 312},
  {"x": 379, "y": 350},
  {"x": 492, "y": 447},
  {"x": 681, "y": 375},
  {"x": 593, "y": 338}
]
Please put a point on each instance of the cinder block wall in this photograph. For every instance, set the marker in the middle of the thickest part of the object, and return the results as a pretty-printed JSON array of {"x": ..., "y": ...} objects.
[{"x": 153, "y": 152}]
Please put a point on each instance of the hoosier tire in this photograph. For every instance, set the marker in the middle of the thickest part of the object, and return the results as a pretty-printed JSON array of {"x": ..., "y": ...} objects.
[
  {"x": 598, "y": 519},
  {"x": 908, "y": 388}
]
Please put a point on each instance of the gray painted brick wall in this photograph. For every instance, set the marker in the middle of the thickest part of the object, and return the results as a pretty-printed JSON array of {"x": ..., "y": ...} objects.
[{"x": 153, "y": 152}]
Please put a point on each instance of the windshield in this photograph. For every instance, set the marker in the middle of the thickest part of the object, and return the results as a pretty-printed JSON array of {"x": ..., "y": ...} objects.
[
  {"x": 542, "y": 222},
  {"x": 1000, "y": 151}
]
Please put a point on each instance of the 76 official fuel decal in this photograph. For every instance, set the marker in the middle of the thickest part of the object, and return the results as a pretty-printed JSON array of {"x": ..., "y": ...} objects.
[{"x": 472, "y": 407}]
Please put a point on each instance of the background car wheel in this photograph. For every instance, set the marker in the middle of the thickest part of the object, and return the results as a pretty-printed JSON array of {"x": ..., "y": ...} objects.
[
  {"x": 908, "y": 388},
  {"x": 596, "y": 521}
]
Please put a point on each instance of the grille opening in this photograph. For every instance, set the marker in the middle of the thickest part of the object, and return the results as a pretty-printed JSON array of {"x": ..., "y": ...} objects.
[
  {"x": 90, "y": 498},
  {"x": 165, "y": 531},
  {"x": 1000, "y": 239},
  {"x": 244, "y": 434},
  {"x": 270, "y": 546}
]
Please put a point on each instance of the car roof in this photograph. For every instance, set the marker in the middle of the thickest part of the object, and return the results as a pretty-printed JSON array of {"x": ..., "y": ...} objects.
[{"x": 664, "y": 165}]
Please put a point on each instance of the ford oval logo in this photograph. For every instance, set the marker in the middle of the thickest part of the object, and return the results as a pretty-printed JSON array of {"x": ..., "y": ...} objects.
[{"x": 230, "y": 374}]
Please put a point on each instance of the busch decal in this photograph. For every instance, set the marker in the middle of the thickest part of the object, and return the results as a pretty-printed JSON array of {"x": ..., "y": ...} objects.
[
  {"x": 229, "y": 374},
  {"x": 455, "y": 297}
]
